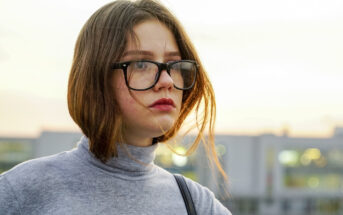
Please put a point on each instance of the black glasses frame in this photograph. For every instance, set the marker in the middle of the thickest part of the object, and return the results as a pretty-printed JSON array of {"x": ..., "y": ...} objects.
[{"x": 161, "y": 66}]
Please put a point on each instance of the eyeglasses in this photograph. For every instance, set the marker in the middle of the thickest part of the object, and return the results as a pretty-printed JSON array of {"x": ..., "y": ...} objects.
[{"x": 144, "y": 74}]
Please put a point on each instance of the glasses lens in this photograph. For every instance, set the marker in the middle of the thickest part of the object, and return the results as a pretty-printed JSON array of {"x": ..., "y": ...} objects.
[
  {"x": 183, "y": 74},
  {"x": 141, "y": 74}
]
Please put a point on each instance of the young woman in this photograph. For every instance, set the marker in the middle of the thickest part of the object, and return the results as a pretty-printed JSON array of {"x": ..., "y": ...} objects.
[{"x": 135, "y": 78}]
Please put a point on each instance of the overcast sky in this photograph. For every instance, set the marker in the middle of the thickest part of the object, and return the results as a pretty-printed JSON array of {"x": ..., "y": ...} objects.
[{"x": 273, "y": 64}]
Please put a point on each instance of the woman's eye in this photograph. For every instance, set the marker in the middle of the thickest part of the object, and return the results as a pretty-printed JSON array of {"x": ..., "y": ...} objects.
[{"x": 140, "y": 65}]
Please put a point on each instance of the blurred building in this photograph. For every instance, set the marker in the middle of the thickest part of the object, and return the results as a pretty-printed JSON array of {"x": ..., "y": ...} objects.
[
  {"x": 269, "y": 175},
  {"x": 281, "y": 175},
  {"x": 49, "y": 143},
  {"x": 16, "y": 150}
]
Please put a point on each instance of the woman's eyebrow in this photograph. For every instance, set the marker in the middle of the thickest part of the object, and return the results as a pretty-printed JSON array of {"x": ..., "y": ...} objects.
[
  {"x": 137, "y": 52},
  {"x": 172, "y": 54}
]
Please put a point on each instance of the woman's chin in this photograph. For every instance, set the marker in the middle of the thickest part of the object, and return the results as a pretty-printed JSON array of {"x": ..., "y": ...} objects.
[{"x": 163, "y": 127}]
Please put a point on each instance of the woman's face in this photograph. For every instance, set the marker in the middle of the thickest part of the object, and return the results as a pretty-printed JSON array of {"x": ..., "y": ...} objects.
[{"x": 144, "y": 114}]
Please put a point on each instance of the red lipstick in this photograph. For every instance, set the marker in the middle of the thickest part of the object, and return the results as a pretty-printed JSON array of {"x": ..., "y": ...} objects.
[{"x": 164, "y": 104}]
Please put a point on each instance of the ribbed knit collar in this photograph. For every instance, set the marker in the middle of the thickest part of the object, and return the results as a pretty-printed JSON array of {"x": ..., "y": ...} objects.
[{"x": 122, "y": 164}]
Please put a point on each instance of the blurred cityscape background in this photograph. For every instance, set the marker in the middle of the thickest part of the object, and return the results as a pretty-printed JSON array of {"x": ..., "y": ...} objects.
[{"x": 269, "y": 174}]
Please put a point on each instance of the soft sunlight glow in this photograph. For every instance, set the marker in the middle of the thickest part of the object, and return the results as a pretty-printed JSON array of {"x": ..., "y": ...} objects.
[
  {"x": 321, "y": 162},
  {"x": 271, "y": 63},
  {"x": 311, "y": 154},
  {"x": 179, "y": 160},
  {"x": 289, "y": 157}
]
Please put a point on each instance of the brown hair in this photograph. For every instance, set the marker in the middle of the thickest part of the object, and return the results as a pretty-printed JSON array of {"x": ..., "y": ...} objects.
[{"x": 101, "y": 42}]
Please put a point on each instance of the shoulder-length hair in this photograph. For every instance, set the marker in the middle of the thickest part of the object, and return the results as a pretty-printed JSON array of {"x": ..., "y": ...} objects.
[{"x": 91, "y": 101}]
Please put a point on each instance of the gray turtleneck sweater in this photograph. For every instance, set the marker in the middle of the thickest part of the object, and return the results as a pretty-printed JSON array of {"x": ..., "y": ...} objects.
[{"x": 75, "y": 182}]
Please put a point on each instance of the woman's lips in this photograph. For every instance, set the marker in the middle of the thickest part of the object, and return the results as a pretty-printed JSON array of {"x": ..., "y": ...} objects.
[
  {"x": 163, "y": 107},
  {"x": 164, "y": 104}
]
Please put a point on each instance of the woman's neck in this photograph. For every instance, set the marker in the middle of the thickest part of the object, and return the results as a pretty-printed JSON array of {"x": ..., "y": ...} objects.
[{"x": 138, "y": 141}]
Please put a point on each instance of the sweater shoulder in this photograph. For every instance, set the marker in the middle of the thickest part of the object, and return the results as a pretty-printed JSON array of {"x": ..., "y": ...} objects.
[
  {"x": 27, "y": 179},
  {"x": 35, "y": 168},
  {"x": 204, "y": 199}
]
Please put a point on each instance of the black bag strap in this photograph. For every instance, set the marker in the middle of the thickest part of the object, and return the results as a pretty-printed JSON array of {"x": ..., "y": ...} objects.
[{"x": 186, "y": 195}]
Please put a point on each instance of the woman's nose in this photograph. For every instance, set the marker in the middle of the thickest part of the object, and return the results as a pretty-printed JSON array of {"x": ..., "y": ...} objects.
[{"x": 165, "y": 81}]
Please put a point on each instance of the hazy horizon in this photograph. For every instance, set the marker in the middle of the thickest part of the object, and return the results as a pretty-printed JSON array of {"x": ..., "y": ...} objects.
[{"x": 273, "y": 64}]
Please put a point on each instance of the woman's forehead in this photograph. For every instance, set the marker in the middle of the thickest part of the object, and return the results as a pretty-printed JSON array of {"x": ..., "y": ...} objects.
[{"x": 152, "y": 36}]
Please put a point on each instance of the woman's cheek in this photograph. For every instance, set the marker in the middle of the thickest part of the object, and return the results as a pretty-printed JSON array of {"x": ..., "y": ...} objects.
[{"x": 126, "y": 104}]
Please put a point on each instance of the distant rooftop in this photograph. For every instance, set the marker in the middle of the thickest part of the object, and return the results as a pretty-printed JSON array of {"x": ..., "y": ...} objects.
[{"x": 338, "y": 132}]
